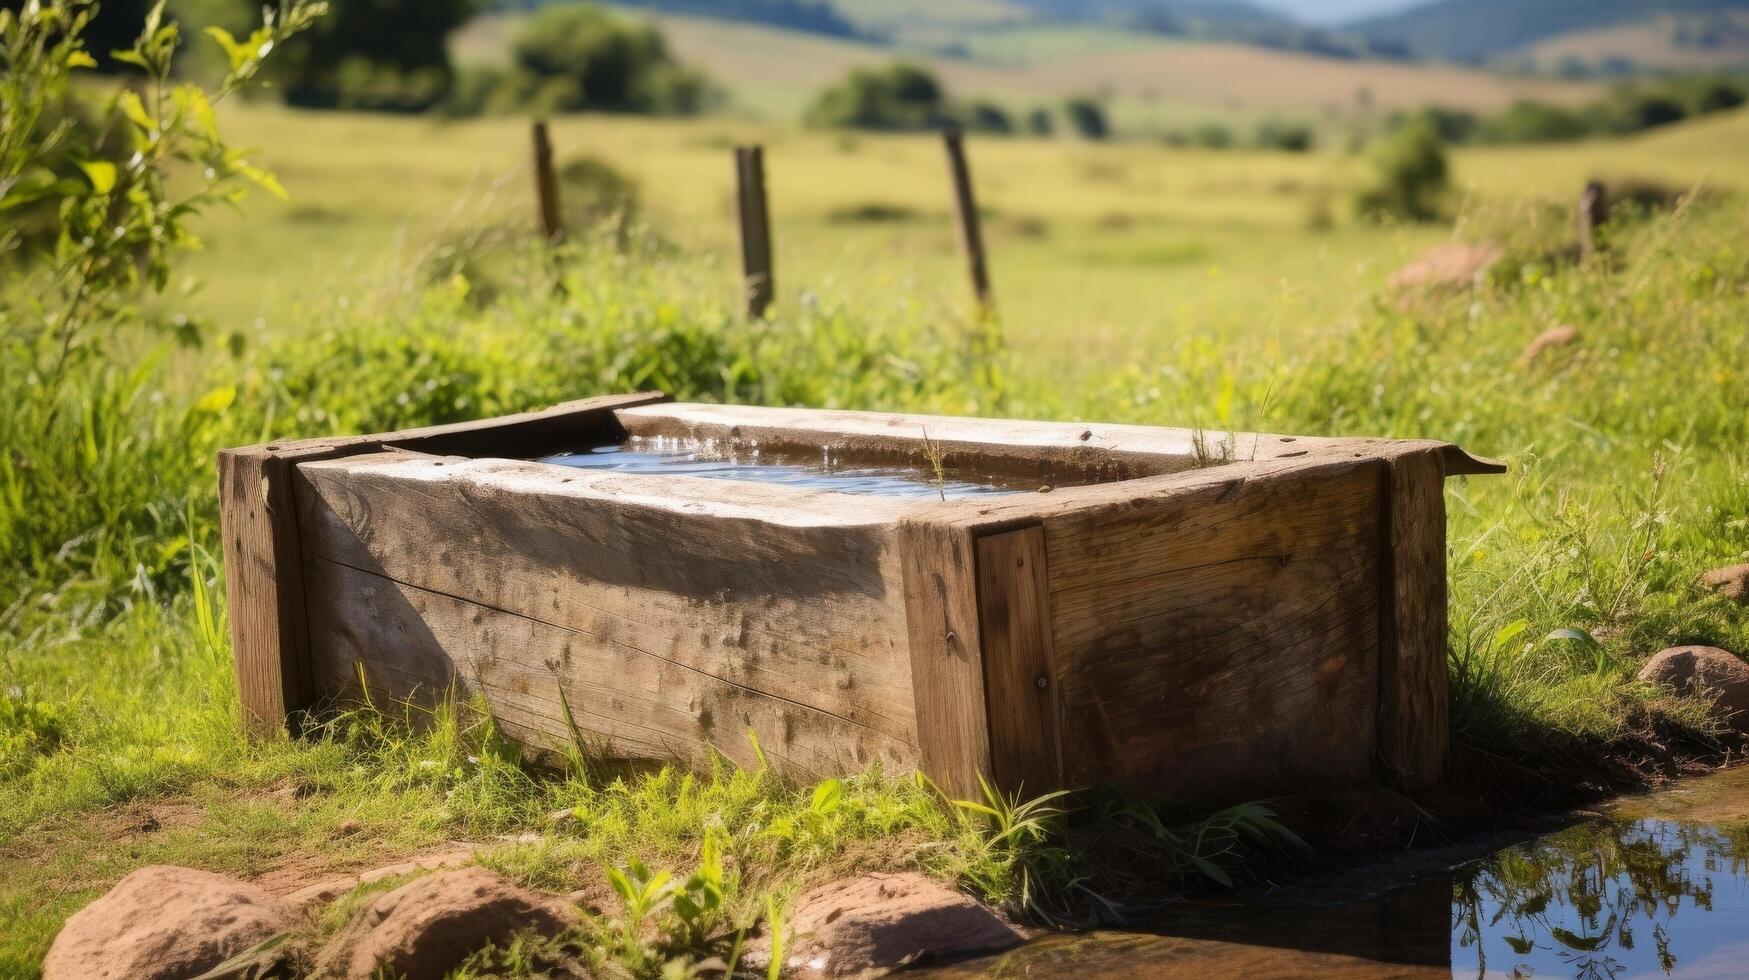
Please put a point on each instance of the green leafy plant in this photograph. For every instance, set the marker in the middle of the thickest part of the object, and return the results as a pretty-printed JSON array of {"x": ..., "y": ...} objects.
[{"x": 118, "y": 224}]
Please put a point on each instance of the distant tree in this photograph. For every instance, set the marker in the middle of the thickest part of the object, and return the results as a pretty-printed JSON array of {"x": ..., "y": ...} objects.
[
  {"x": 1087, "y": 117},
  {"x": 898, "y": 96},
  {"x": 1452, "y": 125},
  {"x": 988, "y": 117},
  {"x": 1716, "y": 95},
  {"x": 375, "y": 54},
  {"x": 1412, "y": 176},
  {"x": 1213, "y": 136},
  {"x": 576, "y": 56},
  {"x": 1634, "y": 110},
  {"x": 1528, "y": 121},
  {"x": 1291, "y": 137},
  {"x": 1039, "y": 121}
]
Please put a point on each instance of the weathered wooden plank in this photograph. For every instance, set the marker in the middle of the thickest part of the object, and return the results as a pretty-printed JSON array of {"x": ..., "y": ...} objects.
[
  {"x": 939, "y": 567},
  {"x": 1221, "y": 642},
  {"x": 1414, "y": 700},
  {"x": 264, "y": 584},
  {"x": 1020, "y": 682},
  {"x": 414, "y": 644},
  {"x": 797, "y": 597},
  {"x": 261, "y": 546},
  {"x": 1121, "y": 450}
]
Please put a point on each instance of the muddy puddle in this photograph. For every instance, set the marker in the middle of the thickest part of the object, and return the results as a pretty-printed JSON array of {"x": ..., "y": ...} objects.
[
  {"x": 682, "y": 457},
  {"x": 1655, "y": 886}
]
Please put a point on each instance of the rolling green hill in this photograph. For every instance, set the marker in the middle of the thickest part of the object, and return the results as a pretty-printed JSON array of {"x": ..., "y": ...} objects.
[
  {"x": 1149, "y": 82},
  {"x": 1478, "y": 30},
  {"x": 1671, "y": 42}
]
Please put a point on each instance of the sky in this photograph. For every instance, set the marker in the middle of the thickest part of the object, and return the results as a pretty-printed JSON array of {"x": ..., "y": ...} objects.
[{"x": 1330, "y": 11}]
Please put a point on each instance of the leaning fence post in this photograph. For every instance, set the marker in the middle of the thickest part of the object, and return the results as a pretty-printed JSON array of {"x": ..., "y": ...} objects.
[
  {"x": 757, "y": 286},
  {"x": 966, "y": 212},
  {"x": 547, "y": 186},
  {"x": 1591, "y": 214}
]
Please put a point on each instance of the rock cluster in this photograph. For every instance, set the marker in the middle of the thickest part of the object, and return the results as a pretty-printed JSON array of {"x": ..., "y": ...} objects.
[{"x": 169, "y": 923}]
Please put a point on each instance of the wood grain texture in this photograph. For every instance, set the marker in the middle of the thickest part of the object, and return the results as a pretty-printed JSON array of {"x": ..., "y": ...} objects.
[
  {"x": 1120, "y": 451},
  {"x": 418, "y": 645},
  {"x": 1221, "y": 643},
  {"x": 797, "y": 602},
  {"x": 1414, "y": 698},
  {"x": 939, "y": 569},
  {"x": 1020, "y": 676},
  {"x": 264, "y": 583},
  {"x": 261, "y": 540}
]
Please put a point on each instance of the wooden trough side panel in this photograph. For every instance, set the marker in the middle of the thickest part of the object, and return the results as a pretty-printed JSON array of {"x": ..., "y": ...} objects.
[
  {"x": 415, "y": 644},
  {"x": 797, "y": 603},
  {"x": 939, "y": 563},
  {"x": 264, "y": 582},
  {"x": 260, "y": 539},
  {"x": 1020, "y": 682},
  {"x": 1414, "y": 700},
  {"x": 1221, "y": 642}
]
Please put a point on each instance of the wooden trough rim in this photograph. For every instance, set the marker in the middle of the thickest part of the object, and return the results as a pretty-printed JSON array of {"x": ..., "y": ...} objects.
[{"x": 1152, "y": 459}]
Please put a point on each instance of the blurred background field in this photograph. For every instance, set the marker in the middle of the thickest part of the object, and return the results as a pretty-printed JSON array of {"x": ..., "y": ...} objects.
[{"x": 1097, "y": 249}]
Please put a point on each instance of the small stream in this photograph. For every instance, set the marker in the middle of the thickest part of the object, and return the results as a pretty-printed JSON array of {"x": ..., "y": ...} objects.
[{"x": 1656, "y": 886}]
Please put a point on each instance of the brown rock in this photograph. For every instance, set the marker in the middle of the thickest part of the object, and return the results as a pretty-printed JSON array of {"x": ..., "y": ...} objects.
[
  {"x": 1709, "y": 670},
  {"x": 1732, "y": 581},
  {"x": 1550, "y": 339},
  {"x": 165, "y": 922},
  {"x": 427, "y": 926},
  {"x": 872, "y": 925}
]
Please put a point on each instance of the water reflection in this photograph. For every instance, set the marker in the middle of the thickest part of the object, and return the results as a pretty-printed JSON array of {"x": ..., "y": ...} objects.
[{"x": 1605, "y": 900}]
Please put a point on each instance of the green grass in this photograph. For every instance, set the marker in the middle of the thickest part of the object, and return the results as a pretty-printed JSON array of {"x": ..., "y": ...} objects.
[{"x": 1167, "y": 288}]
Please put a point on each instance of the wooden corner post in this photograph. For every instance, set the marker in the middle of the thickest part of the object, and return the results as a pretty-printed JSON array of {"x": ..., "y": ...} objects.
[
  {"x": 966, "y": 216},
  {"x": 264, "y": 583},
  {"x": 1414, "y": 688},
  {"x": 546, "y": 185},
  {"x": 1020, "y": 675},
  {"x": 757, "y": 286}
]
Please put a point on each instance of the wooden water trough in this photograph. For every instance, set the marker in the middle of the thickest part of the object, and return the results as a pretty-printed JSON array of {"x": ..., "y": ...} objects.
[{"x": 1205, "y": 618}]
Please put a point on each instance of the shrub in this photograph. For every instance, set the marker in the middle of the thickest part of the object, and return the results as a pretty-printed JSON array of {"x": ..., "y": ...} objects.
[
  {"x": 1213, "y": 136},
  {"x": 1529, "y": 122},
  {"x": 988, "y": 117},
  {"x": 1413, "y": 177},
  {"x": 1039, "y": 121},
  {"x": 1087, "y": 118},
  {"x": 899, "y": 96},
  {"x": 373, "y": 55},
  {"x": 1632, "y": 111},
  {"x": 1286, "y": 136},
  {"x": 576, "y": 57}
]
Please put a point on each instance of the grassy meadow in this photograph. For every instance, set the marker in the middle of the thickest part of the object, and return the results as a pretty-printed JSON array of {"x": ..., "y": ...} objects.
[{"x": 396, "y": 286}]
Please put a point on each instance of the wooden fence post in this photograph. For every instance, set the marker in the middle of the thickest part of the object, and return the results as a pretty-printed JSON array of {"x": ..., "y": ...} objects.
[
  {"x": 1591, "y": 214},
  {"x": 757, "y": 285},
  {"x": 966, "y": 211},
  {"x": 547, "y": 186}
]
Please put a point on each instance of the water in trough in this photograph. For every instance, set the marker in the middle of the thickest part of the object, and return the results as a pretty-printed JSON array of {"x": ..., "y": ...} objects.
[
  {"x": 1654, "y": 887},
  {"x": 685, "y": 457}
]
